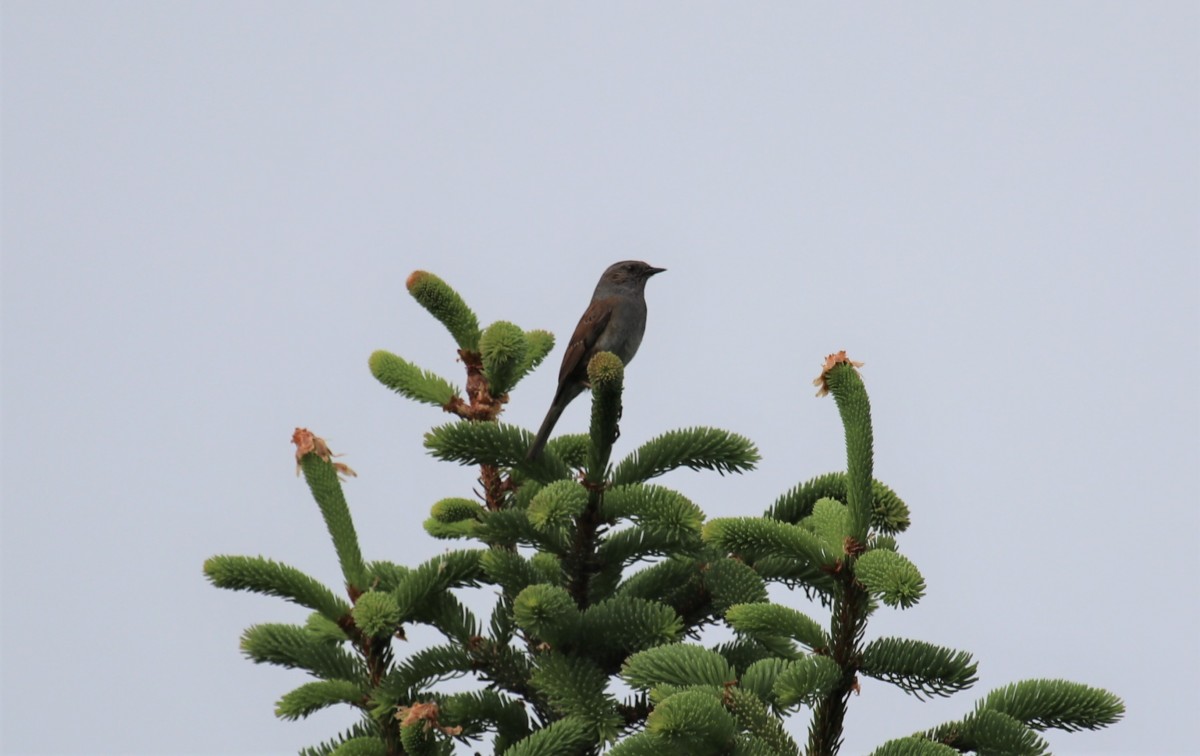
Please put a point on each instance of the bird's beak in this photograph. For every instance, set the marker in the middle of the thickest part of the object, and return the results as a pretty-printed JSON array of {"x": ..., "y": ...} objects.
[{"x": 654, "y": 271}]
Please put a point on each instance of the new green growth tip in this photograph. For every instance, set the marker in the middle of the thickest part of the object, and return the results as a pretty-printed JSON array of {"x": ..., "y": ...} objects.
[
  {"x": 323, "y": 475},
  {"x": 840, "y": 377},
  {"x": 606, "y": 374},
  {"x": 447, "y": 306}
]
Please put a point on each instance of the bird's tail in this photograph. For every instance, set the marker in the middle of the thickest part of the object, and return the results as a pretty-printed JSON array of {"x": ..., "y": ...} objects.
[
  {"x": 562, "y": 398},
  {"x": 543, "y": 434}
]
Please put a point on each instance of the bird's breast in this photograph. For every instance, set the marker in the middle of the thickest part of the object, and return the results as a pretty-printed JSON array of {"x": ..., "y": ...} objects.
[{"x": 624, "y": 333}]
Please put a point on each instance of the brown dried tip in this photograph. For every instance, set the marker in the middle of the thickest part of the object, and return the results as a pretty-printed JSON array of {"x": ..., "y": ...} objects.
[
  {"x": 417, "y": 712},
  {"x": 308, "y": 442},
  {"x": 413, "y": 278},
  {"x": 424, "y": 712},
  {"x": 853, "y": 547},
  {"x": 831, "y": 362}
]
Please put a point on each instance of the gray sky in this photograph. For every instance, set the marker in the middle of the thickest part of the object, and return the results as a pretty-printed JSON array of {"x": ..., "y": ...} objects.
[{"x": 209, "y": 211}]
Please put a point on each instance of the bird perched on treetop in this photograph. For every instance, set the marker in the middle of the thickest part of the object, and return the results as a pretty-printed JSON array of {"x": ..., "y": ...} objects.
[{"x": 614, "y": 322}]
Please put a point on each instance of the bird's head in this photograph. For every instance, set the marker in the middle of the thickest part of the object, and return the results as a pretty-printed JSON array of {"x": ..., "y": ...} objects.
[{"x": 628, "y": 274}]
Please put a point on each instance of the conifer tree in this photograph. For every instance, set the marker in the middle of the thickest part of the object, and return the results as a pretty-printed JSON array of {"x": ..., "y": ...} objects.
[{"x": 607, "y": 582}]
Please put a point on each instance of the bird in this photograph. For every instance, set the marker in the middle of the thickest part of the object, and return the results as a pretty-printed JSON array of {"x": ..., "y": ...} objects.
[{"x": 614, "y": 322}]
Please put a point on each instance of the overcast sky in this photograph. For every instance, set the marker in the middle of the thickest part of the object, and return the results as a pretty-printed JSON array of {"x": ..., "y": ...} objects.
[{"x": 209, "y": 211}]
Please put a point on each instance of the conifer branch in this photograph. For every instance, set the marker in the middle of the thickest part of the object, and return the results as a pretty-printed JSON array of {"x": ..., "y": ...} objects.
[
  {"x": 294, "y": 647},
  {"x": 429, "y": 581},
  {"x": 730, "y": 582},
  {"x": 410, "y": 381},
  {"x": 575, "y": 686},
  {"x": 261, "y": 575},
  {"x": 314, "y": 696},
  {"x": 759, "y": 678},
  {"x": 764, "y": 621},
  {"x": 606, "y": 374},
  {"x": 695, "y": 448},
  {"x": 502, "y": 350},
  {"x": 493, "y": 444},
  {"x": 549, "y": 614},
  {"x": 676, "y": 664},
  {"x": 1055, "y": 704},
  {"x": 569, "y": 736},
  {"x": 617, "y": 627},
  {"x": 322, "y": 474},
  {"x": 889, "y": 513},
  {"x": 364, "y": 732},
  {"x": 773, "y": 547},
  {"x": 472, "y": 710},
  {"x": 891, "y": 577},
  {"x": 987, "y": 731},
  {"x": 807, "y": 680},
  {"x": 444, "y": 303},
  {"x": 693, "y": 721},
  {"x": 760, "y": 725},
  {"x": 917, "y": 667},
  {"x": 537, "y": 345},
  {"x": 914, "y": 746},
  {"x": 841, "y": 378}
]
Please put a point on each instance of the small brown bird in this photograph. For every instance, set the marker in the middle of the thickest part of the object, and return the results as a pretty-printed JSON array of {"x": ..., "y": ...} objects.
[{"x": 614, "y": 322}]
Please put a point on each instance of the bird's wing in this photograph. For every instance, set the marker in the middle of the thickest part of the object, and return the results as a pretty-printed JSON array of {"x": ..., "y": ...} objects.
[{"x": 587, "y": 333}]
